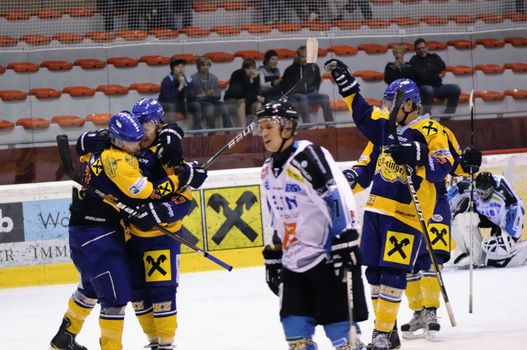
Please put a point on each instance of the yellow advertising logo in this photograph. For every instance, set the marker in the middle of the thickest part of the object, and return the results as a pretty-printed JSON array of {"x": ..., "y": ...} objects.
[
  {"x": 439, "y": 236},
  {"x": 389, "y": 170},
  {"x": 165, "y": 188},
  {"x": 234, "y": 217},
  {"x": 97, "y": 167},
  {"x": 157, "y": 265},
  {"x": 398, "y": 247},
  {"x": 192, "y": 229}
]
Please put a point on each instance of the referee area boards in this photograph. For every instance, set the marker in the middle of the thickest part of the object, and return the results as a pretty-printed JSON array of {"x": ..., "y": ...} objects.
[{"x": 228, "y": 219}]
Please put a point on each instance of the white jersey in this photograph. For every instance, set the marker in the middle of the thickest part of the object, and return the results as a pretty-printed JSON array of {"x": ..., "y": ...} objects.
[
  {"x": 503, "y": 208},
  {"x": 310, "y": 201}
]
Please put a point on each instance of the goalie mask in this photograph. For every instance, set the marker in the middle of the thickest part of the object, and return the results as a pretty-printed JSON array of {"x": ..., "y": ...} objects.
[{"x": 485, "y": 185}]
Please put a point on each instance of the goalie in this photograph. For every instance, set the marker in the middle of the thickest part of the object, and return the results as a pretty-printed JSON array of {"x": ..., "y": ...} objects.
[{"x": 497, "y": 207}]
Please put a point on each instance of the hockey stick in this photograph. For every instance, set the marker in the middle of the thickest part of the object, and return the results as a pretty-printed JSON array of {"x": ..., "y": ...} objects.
[
  {"x": 65, "y": 157},
  {"x": 471, "y": 210},
  {"x": 352, "y": 332},
  {"x": 399, "y": 95},
  {"x": 312, "y": 55}
]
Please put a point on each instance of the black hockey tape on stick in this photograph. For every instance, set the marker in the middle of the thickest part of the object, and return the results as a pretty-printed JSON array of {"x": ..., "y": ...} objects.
[
  {"x": 398, "y": 102},
  {"x": 65, "y": 157}
]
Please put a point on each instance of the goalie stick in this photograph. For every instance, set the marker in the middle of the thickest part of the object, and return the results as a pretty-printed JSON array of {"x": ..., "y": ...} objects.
[
  {"x": 65, "y": 157},
  {"x": 398, "y": 101}
]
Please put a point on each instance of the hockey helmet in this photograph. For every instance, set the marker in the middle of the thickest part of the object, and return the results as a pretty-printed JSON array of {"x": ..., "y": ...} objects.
[
  {"x": 411, "y": 91},
  {"x": 485, "y": 184},
  {"x": 124, "y": 126},
  {"x": 282, "y": 111},
  {"x": 147, "y": 109}
]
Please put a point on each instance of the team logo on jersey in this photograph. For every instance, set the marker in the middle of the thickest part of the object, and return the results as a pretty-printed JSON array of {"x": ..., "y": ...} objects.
[
  {"x": 96, "y": 167},
  {"x": 429, "y": 129},
  {"x": 294, "y": 175},
  {"x": 165, "y": 188},
  {"x": 389, "y": 170},
  {"x": 157, "y": 265},
  {"x": 110, "y": 166},
  {"x": 398, "y": 247},
  {"x": 132, "y": 161},
  {"x": 439, "y": 236}
]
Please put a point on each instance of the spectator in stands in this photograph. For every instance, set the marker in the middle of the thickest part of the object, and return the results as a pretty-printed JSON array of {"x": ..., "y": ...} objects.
[
  {"x": 270, "y": 77},
  {"x": 429, "y": 70},
  {"x": 398, "y": 68},
  {"x": 243, "y": 95},
  {"x": 209, "y": 95},
  {"x": 351, "y": 6},
  {"x": 184, "y": 7},
  {"x": 179, "y": 94},
  {"x": 520, "y": 6},
  {"x": 107, "y": 9},
  {"x": 304, "y": 80}
]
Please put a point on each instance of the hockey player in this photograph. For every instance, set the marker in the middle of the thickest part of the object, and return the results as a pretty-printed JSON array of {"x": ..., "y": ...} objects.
[
  {"x": 497, "y": 207},
  {"x": 313, "y": 213},
  {"x": 97, "y": 235},
  {"x": 391, "y": 235}
]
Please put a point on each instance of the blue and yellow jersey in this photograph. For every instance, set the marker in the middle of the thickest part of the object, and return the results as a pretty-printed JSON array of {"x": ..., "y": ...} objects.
[{"x": 389, "y": 193}]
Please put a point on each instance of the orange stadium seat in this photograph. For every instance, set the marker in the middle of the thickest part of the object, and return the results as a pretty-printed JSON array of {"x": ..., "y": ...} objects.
[
  {"x": 2, "y": 69},
  {"x": 12, "y": 95},
  {"x": 327, "y": 76},
  {"x": 338, "y": 105},
  {"x": 382, "y": 2},
  {"x": 56, "y": 65},
  {"x": 47, "y": 14},
  {"x": 516, "y": 16},
  {"x": 434, "y": 20},
  {"x": 79, "y": 12},
  {"x": 438, "y": 1},
  {"x": 373, "y": 48},
  {"x": 195, "y": 32},
  {"x": 464, "y": 98},
  {"x": 436, "y": 45},
  {"x": 516, "y": 41},
  {"x": 219, "y": 56},
  {"x": 410, "y": 2},
  {"x": 35, "y": 39},
  {"x": 461, "y": 44},
  {"x": 204, "y": 6},
  {"x": 285, "y": 53},
  {"x": 322, "y": 52},
  {"x": 376, "y": 23},
  {"x": 99, "y": 118},
  {"x": 490, "y": 43},
  {"x": 316, "y": 26},
  {"x": 517, "y": 94},
  {"x": 67, "y": 121},
  {"x": 348, "y": 24},
  {"x": 100, "y": 37},
  {"x": 223, "y": 84},
  {"x": 488, "y": 95},
  {"x": 405, "y": 21},
  {"x": 163, "y": 34},
  {"x": 516, "y": 67},
  {"x": 146, "y": 88},
  {"x": 17, "y": 16},
  {"x": 189, "y": 57},
  {"x": 460, "y": 70},
  {"x": 6, "y": 125},
  {"x": 256, "y": 28},
  {"x": 225, "y": 30},
  {"x": 234, "y": 5},
  {"x": 374, "y": 102},
  {"x": 68, "y": 38},
  {"x": 42, "y": 93},
  {"x": 155, "y": 60},
  {"x": 490, "y": 18},
  {"x": 287, "y": 27},
  {"x": 254, "y": 54},
  {"x": 122, "y": 62},
  {"x": 23, "y": 67},
  {"x": 343, "y": 50},
  {"x": 33, "y": 123},
  {"x": 369, "y": 75},
  {"x": 408, "y": 46},
  {"x": 7, "y": 41},
  {"x": 89, "y": 63},
  {"x": 78, "y": 91},
  {"x": 489, "y": 68},
  {"x": 462, "y": 19},
  {"x": 112, "y": 89},
  {"x": 132, "y": 35}
]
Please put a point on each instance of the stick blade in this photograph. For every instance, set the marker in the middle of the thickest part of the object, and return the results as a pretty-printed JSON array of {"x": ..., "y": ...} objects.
[
  {"x": 471, "y": 99},
  {"x": 312, "y": 50}
]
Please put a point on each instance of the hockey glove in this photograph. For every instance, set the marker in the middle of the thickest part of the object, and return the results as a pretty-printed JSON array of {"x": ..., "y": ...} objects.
[
  {"x": 150, "y": 215},
  {"x": 93, "y": 142},
  {"x": 412, "y": 153},
  {"x": 463, "y": 186},
  {"x": 343, "y": 77},
  {"x": 462, "y": 206},
  {"x": 191, "y": 174},
  {"x": 471, "y": 160},
  {"x": 273, "y": 267},
  {"x": 345, "y": 252},
  {"x": 169, "y": 150},
  {"x": 352, "y": 177}
]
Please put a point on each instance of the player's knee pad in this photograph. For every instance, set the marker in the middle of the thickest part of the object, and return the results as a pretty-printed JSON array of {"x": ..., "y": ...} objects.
[
  {"x": 163, "y": 301},
  {"x": 337, "y": 333},
  {"x": 296, "y": 327}
]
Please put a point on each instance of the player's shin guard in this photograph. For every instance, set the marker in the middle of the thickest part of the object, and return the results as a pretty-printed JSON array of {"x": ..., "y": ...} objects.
[
  {"x": 145, "y": 316},
  {"x": 413, "y": 291},
  {"x": 430, "y": 289},
  {"x": 111, "y": 321},
  {"x": 165, "y": 314},
  {"x": 387, "y": 308}
]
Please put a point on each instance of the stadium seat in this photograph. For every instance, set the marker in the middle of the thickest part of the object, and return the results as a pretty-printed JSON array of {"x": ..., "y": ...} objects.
[
  {"x": 77, "y": 12},
  {"x": 78, "y": 91},
  {"x": 464, "y": 98},
  {"x": 410, "y": 2},
  {"x": 338, "y": 105},
  {"x": 23, "y": 67},
  {"x": 6, "y": 125},
  {"x": 204, "y": 6},
  {"x": 223, "y": 84},
  {"x": 12, "y": 95},
  {"x": 434, "y": 20},
  {"x": 373, "y": 48},
  {"x": 68, "y": 38},
  {"x": 189, "y": 57},
  {"x": 47, "y": 14},
  {"x": 463, "y": 19},
  {"x": 374, "y": 102},
  {"x": 516, "y": 41},
  {"x": 53, "y": 65},
  {"x": 7, "y": 41},
  {"x": 327, "y": 76},
  {"x": 490, "y": 43},
  {"x": 33, "y": 123},
  {"x": 346, "y": 24},
  {"x": 516, "y": 67},
  {"x": 488, "y": 95},
  {"x": 122, "y": 62},
  {"x": 194, "y": 32},
  {"x": 89, "y": 63},
  {"x": 132, "y": 35},
  {"x": 436, "y": 45},
  {"x": 461, "y": 44},
  {"x": 460, "y": 70},
  {"x": 42, "y": 93},
  {"x": 343, "y": 50},
  {"x": 490, "y": 18},
  {"x": 35, "y": 39},
  {"x": 288, "y": 27},
  {"x": 369, "y": 75},
  {"x": 17, "y": 15},
  {"x": 164, "y": 34},
  {"x": 516, "y": 16},
  {"x": 285, "y": 53},
  {"x": 67, "y": 121},
  {"x": 316, "y": 26},
  {"x": 112, "y": 89},
  {"x": 489, "y": 68},
  {"x": 377, "y": 23},
  {"x": 382, "y": 2},
  {"x": 405, "y": 21},
  {"x": 155, "y": 60},
  {"x": 517, "y": 94},
  {"x": 254, "y": 54},
  {"x": 234, "y": 5},
  {"x": 409, "y": 47},
  {"x": 2, "y": 69},
  {"x": 219, "y": 56},
  {"x": 99, "y": 118},
  {"x": 101, "y": 37},
  {"x": 256, "y": 28},
  {"x": 226, "y": 30},
  {"x": 146, "y": 88}
]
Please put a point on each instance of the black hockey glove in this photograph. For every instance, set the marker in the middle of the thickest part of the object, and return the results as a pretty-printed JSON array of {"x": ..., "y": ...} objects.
[
  {"x": 344, "y": 79},
  {"x": 150, "y": 215},
  {"x": 462, "y": 206},
  {"x": 169, "y": 150},
  {"x": 412, "y": 153},
  {"x": 471, "y": 160},
  {"x": 93, "y": 142},
  {"x": 191, "y": 174},
  {"x": 463, "y": 186},
  {"x": 345, "y": 252},
  {"x": 273, "y": 266},
  {"x": 352, "y": 177}
]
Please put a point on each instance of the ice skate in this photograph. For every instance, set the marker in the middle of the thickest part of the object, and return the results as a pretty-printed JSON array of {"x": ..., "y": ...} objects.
[
  {"x": 380, "y": 340},
  {"x": 415, "y": 328},
  {"x": 431, "y": 324},
  {"x": 65, "y": 340},
  {"x": 393, "y": 339}
]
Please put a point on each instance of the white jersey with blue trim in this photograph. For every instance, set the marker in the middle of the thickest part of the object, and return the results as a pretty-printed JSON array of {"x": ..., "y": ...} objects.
[{"x": 310, "y": 201}]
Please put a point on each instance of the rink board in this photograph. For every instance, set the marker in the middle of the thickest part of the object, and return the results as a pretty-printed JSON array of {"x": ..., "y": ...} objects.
[{"x": 228, "y": 219}]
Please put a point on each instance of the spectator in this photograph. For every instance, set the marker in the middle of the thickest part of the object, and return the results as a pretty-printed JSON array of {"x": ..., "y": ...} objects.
[
  {"x": 179, "y": 94},
  {"x": 270, "y": 77},
  {"x": 520, "y": 6},
  {"x": 429, "y": 70},
  {"x": 184, "y": 7},
  {"x": 351, "y": 6},
  {"x": 304, "y": 79},
  {"x": 398, "y": 68},
  {"x": 209, "y": 94},
  {"x": 243, "y": 95}
]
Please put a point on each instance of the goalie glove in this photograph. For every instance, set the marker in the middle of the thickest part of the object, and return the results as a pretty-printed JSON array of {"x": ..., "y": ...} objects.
[
  {"x": 93, "y": 142},
  {"x": 150, "y": 215},
  {"x": 273, "y": 267},
  {"x": 471, "y": 160},
  {"x": 345, "y": 253},
  {"x": 343, "y": 77},
  {"x": 411, "y": 153},
  {"x": 191, "y": 174},
  {"x": 169, "y": 150},
  {"x": 352, "y": 177}
]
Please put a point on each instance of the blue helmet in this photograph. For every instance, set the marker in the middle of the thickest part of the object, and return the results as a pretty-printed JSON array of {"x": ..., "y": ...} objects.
[
  {"x": 126, "y": 127},
  {"x": 147, "y": 109},
  {"x": 411, "y": 91}
]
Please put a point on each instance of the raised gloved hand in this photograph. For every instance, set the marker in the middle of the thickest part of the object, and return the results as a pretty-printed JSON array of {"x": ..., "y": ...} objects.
[
  {"x": 191, "y": 174},
  {"x": 273, "y": 266},
  {"x": 352, "y": 176},
  {"x": 93, "y": 141},
  {"x": 149, "y": 215},
  {"x": 343, "y": 77},
  {"x": 471, "y": 159},
  {"x": 411, "y": 153},
  {"x": 345, "y": 252},
  {"x": 169, "y": 151}
]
